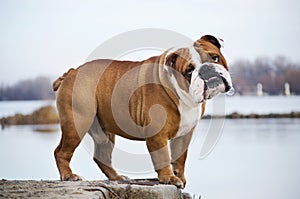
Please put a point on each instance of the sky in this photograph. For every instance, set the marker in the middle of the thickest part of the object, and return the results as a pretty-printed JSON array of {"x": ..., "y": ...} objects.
[{"x": 47, "y": 37}]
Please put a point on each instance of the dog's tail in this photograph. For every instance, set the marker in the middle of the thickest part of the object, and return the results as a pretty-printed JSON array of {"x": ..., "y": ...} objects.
[{"x": 56, "y": 84}]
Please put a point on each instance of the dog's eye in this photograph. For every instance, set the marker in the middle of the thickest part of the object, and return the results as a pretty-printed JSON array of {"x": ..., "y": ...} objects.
[
  {"x": 189, "y": 71},
  {"x": 215, "y": 58}
]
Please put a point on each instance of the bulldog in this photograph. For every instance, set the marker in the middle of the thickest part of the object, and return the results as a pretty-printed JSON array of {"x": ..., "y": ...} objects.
[{"x": 158, "y": 100}]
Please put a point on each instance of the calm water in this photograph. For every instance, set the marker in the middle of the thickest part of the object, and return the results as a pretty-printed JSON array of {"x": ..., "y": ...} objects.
[
  {"x": 252, "y": 158},
  {"x": 241, "y": 104}
]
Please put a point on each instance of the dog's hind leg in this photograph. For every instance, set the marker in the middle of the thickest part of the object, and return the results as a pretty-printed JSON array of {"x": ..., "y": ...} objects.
[
  {"x": 72, "y": 133},
  {"x": 76, "y": 104},
  {"x": 104, "y": 144},
  {"x": 102, "y": 157},
  {"x": 64, "y": 152},
  {"x": 76, "y": 118}
]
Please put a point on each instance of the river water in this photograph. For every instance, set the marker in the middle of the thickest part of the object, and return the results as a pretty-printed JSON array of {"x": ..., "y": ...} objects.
[{"x": 252, "y": 158}]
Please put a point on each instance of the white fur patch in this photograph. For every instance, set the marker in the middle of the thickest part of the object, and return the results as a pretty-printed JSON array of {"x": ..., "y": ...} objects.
[
  {"x": 189, "y": 117},
  {"x": 188, "y": 109},
  {"x": 196, "y": 87}
]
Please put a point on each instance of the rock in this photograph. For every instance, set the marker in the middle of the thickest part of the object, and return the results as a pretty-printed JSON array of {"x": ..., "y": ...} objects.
[{"x": 89, "y": 189}]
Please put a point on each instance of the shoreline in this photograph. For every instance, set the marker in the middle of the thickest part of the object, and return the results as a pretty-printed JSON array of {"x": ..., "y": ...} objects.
[
  {"x": 48, "y": 115},
  {"x": 236, "y": 115}
]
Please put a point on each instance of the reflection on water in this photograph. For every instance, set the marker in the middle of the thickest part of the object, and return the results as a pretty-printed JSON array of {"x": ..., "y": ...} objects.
[{"x": 253, "y": 159}]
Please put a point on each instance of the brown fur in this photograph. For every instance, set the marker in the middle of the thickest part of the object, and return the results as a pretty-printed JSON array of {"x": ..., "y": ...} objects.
[{"x": 80, "y": 102}]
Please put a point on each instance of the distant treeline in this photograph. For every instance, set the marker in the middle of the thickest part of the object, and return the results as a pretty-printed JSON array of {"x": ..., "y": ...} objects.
[
  {"x": 32, "y": 89},
  {"x": 271, "y": 73}
]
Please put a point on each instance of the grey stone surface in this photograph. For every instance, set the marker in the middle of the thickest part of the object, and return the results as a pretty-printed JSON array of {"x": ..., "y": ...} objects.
[{"x": 89, "y": 189}]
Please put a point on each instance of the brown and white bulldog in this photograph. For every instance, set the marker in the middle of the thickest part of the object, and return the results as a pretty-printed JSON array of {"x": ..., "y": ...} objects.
[{"x": 156, "y": 100}]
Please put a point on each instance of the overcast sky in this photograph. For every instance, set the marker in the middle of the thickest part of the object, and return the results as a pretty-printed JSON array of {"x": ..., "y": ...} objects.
[{"x": 40, "y": 37}]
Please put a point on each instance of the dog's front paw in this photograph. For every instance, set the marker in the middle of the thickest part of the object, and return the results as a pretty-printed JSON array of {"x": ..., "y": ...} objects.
[
  {"x": 180, "y": 175},
  {"x": 71, "y": 177},
  {"x": 119, "y": 178},
  {"x": 171, "y": 179}
]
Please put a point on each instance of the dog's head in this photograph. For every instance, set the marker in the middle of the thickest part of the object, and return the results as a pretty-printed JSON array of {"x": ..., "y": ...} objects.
[{"x": 203, "y": 67}]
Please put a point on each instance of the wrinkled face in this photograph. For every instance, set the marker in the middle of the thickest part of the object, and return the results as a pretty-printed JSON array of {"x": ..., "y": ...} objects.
[{"x": 203, "y": 67}]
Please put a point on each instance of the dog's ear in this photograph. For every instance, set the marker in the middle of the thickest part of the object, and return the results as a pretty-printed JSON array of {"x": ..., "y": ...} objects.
[
  {"x": 171, "y": 60},
  {"x": 213, "y": 40}
]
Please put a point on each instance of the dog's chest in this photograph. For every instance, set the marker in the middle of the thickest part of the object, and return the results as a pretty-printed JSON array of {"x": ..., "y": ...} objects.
[{"x": 189, "y": 116}]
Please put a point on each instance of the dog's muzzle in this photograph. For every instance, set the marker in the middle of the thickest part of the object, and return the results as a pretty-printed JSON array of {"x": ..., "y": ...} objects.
[{"x": 210, "y": 80}]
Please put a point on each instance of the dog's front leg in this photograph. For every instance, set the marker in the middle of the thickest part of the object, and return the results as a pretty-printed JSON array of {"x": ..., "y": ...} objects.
[
  {"x": 179, "y": 147},
  {"x": 158, "y": 148}
]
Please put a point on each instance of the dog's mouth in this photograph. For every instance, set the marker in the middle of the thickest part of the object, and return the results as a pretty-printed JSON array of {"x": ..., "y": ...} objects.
[
  {"x": 213, "y": 83},
  {"x": 215, "y": 79}
]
